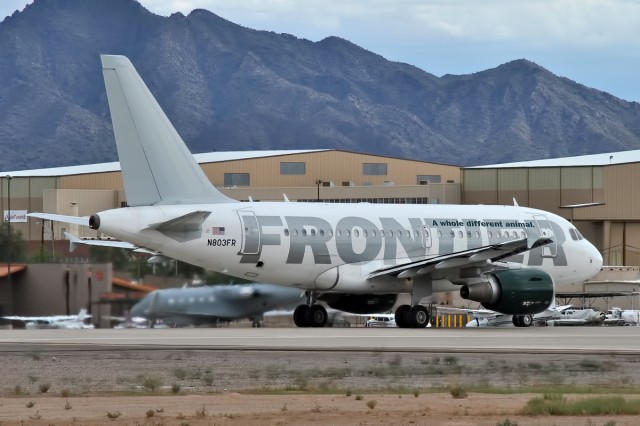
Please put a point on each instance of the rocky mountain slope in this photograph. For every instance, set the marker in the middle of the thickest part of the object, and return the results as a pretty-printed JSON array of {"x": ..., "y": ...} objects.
[{"x": 227, "y": 87}]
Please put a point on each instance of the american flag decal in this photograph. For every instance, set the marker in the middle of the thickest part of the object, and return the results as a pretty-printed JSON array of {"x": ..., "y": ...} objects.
[{"x": 217, "y": 230}]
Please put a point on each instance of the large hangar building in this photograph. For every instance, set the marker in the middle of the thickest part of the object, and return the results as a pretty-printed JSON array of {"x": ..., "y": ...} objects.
[{"x": 302, "y": 175}]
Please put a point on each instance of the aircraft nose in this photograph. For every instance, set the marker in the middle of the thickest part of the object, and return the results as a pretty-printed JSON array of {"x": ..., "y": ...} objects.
[{"x": 595, "y": 259}]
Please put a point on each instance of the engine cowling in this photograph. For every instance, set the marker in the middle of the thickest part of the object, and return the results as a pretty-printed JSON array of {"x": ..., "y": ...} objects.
[
  {"x": 360, "y": 303},
  {"x": 513, "y": 292}
]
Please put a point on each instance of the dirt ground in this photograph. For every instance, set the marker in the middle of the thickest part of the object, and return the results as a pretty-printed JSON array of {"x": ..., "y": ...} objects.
[{"x": 180, "y": 387}]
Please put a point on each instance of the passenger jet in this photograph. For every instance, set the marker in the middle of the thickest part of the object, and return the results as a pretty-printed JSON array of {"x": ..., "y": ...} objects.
[{"x": 354, "y": 257}]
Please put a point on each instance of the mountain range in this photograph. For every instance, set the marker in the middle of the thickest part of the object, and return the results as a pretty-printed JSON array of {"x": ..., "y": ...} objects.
[{"x": 228, "y": 87}]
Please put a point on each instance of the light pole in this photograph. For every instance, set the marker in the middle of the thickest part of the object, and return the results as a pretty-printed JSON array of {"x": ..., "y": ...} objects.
[
  {"x": 8, "y": 178},
  {"x": 318, "y": 183}
]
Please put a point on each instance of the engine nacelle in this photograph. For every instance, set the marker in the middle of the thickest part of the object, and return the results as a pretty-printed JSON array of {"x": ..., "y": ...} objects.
[
  {"x": 94, "y": 221},
  {"x": 360, "y": 303},
  {"x": 513, "y": 292}
]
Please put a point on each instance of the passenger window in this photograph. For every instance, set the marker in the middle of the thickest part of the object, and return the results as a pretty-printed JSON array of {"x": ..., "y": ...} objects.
[
  {"x": 322, "y": 232},
  {"x": 490, "y": 234},
  {"x": 477, "y": 234},
  {"x": 365, "y": 233},
  {"x": 452, "y": 234},
  {"x": 286, "y": 232},
  {"x": 347, "y": 233},
  {"x": 460, "y": 234},
  {"x": 356, "y": 233},
  {"x": 373, "y": 232},
  {"x": 295, "y": 232},
  {"x": 304, "y": 232},
  {"x": 338, "y": 233},
  {"x": 439, "y": 233}
]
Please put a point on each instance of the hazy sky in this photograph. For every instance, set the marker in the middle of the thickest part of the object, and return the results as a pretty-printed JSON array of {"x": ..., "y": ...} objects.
[{"x": 594, "y": 42}]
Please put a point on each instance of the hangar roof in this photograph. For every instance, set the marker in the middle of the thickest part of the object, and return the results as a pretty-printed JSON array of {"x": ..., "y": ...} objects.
[
  {"x": 608, "y": 158},
  {"x": 207, "y": 157}
]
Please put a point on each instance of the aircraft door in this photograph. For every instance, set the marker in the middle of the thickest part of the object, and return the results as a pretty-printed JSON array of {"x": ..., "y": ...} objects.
[
  {"x": 250, "y": 232},
  {"x": 426, "y": 236},
  {"x": 549, "y": 250}
]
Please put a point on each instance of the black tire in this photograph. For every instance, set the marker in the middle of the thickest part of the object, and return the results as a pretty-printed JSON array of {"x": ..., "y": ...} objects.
[
  {"x": 299, "y": 316},
  {"x": 418, "y": 316},
  {"x": 401, "y": 316},
  {"x": 316, "y": 316},
  {"x": 522, "y": 320}
]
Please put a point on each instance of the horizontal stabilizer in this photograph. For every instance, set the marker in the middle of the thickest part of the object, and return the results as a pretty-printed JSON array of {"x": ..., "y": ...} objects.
[
  {"x": 75, "y": 241},
  {"x": 79, "y": 220},
  {"x": 183, "y": 228}
]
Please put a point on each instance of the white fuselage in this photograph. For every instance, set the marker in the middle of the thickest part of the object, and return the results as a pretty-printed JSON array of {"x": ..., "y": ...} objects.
[{"x": 334, "y": 247}]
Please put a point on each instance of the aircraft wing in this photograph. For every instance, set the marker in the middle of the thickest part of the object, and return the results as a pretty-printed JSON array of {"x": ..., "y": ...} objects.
[
  {"x": 79, "y": 220},
  {"x": 49, "y": 318},
  {"x": 460, "y": 259}
]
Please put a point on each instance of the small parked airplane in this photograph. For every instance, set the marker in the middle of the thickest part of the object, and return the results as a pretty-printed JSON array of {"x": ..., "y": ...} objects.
[
  {"x": 54, "y": 321},
  {"x": 574, "y": 316},
  {"x": 211, "y": 304},
  {"x": 355, "y": 257},
  {"x": 487, "y": 318},
  {"x": 619, "y": 316}
]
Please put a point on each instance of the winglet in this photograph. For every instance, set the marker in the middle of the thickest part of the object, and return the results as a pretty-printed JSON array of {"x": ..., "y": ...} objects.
[{"x": 157, "y": 167}]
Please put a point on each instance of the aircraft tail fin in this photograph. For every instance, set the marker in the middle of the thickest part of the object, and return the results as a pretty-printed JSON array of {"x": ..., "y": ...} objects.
[{"x": 157, "y": 167}]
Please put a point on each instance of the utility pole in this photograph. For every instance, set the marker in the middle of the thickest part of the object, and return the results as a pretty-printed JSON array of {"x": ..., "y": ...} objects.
[{"x": 8, "y": 177}]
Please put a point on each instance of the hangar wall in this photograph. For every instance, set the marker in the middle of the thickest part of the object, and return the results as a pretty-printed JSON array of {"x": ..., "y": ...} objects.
[{"x": 598, "y": 199}]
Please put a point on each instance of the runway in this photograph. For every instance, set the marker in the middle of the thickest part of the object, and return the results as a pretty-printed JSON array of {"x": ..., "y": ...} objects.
[{"x": 559, "y": 340}]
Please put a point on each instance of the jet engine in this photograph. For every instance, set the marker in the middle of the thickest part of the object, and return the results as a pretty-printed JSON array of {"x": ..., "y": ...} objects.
[
  {"x": 360, "y": 303},
  {"x": 513, "y": 292}
]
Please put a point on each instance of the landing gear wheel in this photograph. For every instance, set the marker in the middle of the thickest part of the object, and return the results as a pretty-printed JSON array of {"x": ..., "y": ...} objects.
[
  {"x": 418, "y": 316},
  {"x": 316, "y": 316},
  {"x": 299, "y": 316},
  {"x": 522, "y": 320},
  {"x": 401, "y": 316}
]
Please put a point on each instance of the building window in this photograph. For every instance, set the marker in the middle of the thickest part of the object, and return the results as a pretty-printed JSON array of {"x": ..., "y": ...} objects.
[
  {"x": 425, "y": 179},
  {"x": 374, "y": 169},
  {"x": 290, "y": 168},
  {"x": 236, "y": 179}
]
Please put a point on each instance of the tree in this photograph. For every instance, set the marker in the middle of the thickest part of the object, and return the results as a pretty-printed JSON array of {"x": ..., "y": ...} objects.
[{"x": 13, "y": 245}]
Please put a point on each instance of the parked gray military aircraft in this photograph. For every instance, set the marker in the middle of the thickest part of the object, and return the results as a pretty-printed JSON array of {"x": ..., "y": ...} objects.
[
  {"x": 355, "y": 257},
  {"x": 212, "y": 304}
]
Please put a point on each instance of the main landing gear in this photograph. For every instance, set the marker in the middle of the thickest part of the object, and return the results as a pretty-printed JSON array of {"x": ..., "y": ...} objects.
[
  {"x": 416, "y": 316},
  {"x": 310, "y": 315},
  {"x": 522, "y": 320}
]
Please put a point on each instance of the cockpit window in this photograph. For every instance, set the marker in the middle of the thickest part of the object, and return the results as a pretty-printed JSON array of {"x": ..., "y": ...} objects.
[{"x": 575, "y": 234}]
